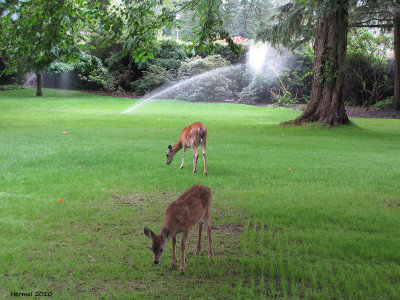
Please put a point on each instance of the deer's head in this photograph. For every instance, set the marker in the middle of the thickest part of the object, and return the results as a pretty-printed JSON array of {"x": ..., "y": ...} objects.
[
  {"x": 170, "y": 154},
  {"x": 158, "y": 242}
]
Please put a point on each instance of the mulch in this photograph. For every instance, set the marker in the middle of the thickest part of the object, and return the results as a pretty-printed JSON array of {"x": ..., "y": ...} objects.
[{"x": 368, "y": 112}]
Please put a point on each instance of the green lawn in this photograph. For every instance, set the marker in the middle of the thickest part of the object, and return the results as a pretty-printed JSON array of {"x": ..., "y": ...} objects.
[{"x": 299, "y": 212}]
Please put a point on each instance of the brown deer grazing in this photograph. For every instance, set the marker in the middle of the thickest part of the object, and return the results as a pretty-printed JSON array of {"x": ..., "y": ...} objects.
[
  {"x": 191, "y": 137},
  {"x": 192, "y": 207}
]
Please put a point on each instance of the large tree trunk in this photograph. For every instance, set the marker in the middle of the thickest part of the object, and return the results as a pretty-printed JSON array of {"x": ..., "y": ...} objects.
[
  {"x": 39, "y": 84},
  {"x": 326, "y": 103},
  {"x": 396, "y": 25}
]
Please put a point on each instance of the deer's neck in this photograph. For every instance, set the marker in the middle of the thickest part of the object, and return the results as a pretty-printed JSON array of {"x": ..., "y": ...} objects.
[{"x": 178, "y": 146}]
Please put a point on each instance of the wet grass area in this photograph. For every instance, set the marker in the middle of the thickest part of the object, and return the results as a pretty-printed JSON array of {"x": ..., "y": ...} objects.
[{"x": 297, "y": 212}]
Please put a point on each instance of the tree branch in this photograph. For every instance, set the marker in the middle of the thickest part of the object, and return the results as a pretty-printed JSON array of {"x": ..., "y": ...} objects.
[{"x": 360, "y": 25}]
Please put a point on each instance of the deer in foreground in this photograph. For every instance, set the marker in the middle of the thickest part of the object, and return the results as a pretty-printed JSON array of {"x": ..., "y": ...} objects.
[
  {"x": 191, "y": 137},
  {"x": 192, "y": 207}
]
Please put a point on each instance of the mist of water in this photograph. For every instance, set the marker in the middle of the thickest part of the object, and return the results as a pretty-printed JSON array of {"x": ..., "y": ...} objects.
[
  {"x": 171, "y": 91},
  {"x": 29, "y": 80},
  {"x": 261, "y": 60}
]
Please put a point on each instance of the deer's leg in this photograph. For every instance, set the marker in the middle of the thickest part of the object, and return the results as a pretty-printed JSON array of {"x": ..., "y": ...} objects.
[
  {"x": 185, "y": 235},
  {"x": 195, "y": 158},
  {"x": 199, "y": 243},
  {"x": 207, "y": 221},
  {"x": 183, "y": 156},
  {"x": 173, "y": 261},
  {"x": 203, "y": 148}
]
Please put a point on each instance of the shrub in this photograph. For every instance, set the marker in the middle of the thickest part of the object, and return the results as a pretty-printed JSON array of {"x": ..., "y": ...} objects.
[
  {"x": 10, "y": 87},
  {"x": 258, "y": 91},
  {"x": 153, "y": 77},
  {"x": 214, "y": 87},
  {"x": 369, "y": 74},
  {"x": 197, "y": 65},
  {"x": 384, "y": 104}
]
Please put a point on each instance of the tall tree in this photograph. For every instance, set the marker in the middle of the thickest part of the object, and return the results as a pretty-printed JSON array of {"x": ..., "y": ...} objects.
[
  {"x": 326, "y": 101},
  {"x": 293, "y": 26},
  {"x": 35, "y": 33}
]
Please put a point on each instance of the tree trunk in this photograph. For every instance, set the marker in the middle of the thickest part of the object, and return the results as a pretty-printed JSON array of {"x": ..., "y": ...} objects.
[
  {"x": 39, "y": 84},
  {"x": 326, "y": 103},
  {"x": 396, "y": 25}
]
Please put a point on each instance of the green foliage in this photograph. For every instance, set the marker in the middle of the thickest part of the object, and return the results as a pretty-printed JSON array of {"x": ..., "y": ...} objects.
[
  {"x": 209, "y": 26},
  {"x": 36, "y": 33},
  {"x": 138, "y": 24},
  {"x": 258, "y": 91},
  {"x": 292, "y": 25},
  {"x": 297, "y": 76},
  {"x": 168, "y": 54},
  {"x": 210, "y": 87},
  {"x": 284, "y": 98},
  {"x": 215, "y": 87},
  {"x": 91, "y": 69},
  {"x": 369, "y": 75},
  {"x": 153, "y": 77},
  {"x": 59, "y": 67},
  {"x": 197, "y": 65},
  {"x": 384, "y": 104},
  {"x": 10, "y": 87}
]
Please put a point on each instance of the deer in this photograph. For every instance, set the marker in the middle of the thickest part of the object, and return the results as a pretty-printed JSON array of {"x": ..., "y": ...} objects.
[
  {"x": 190, "y": 137},
  {"x": 191, "y": 208}
]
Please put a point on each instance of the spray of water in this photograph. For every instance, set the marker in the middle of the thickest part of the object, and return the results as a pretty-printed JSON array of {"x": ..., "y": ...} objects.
[
  {"x": 261, "y": 60},
  {"x": 168, "y": 92},
  {"x": 29, "y": 79},
  {"x": 257, "y": 57}
]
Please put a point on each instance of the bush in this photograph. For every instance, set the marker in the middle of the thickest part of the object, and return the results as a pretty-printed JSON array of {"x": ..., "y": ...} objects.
[
  {"x": 153, "y": 77},
  {"x": 369, "y": 74},
  {"x": 197, "y": 65},
  {"x": 384, "y": 104},
  {"x": 10, "y": 87},
  {"x": 214, "y": 87},
  {"x": 368, "y": 81},
  {"x": 258, "y": 91},
  {"x": 297, "y": 76}
]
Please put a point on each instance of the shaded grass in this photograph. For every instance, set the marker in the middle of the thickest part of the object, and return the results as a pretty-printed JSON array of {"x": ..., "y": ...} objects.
[{"x": 318, "y": 206}]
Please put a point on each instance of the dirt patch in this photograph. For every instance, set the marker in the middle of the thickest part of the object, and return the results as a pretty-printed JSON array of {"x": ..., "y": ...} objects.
[
  {"x": 228, "y": 228},
  {"x": 367, "y": 112},
  {"x": 237, "y": 228},
  {"x": 363, "y": 112},
  {"x": 132, "y": 200}
]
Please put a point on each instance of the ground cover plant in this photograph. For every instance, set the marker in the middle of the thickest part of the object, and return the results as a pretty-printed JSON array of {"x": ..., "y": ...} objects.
[{"x": 298, "y": 212}]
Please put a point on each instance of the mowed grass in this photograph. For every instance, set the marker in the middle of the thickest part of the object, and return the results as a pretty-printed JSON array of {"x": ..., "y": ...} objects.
[{"x": 298, "y": 212}]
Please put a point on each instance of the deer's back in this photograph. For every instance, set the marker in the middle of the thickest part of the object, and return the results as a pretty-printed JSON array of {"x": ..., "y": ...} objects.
[
  {"x": 190, "y": 207},
  {"x": 197, "y": 131}
]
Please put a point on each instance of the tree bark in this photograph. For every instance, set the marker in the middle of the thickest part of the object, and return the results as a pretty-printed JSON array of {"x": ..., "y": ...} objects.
[
  {"x": 326, "y": 103},
  {"x": 39, "y": 84},
  {"x": 396, "y": 32}
]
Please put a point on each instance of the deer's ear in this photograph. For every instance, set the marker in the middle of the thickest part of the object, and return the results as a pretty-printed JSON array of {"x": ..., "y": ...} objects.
[
  {"x": 165, "y": 233},
  {"x": 148, "y": 232},
  {"x": 169, "y": 147}
]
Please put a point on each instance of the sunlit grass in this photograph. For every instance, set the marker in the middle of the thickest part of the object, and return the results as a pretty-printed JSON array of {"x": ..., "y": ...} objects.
[{"x": 315, "y": 210}]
